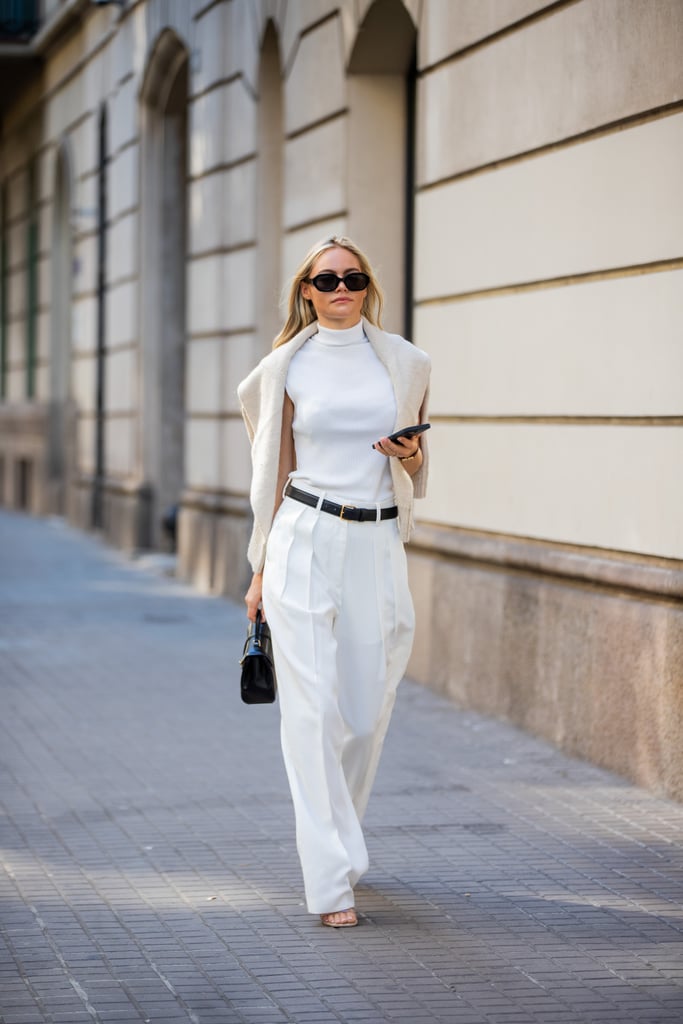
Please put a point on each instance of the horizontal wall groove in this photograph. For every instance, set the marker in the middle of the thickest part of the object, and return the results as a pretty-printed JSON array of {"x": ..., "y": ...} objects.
[
  {"x": 602, "y": 131},
  {"x": 111, "y": 414},
  {"x": 220, "y": 250},
  {"x": 119, "y": 282},
  {"x": 226, "y": 332},
  {"x": 632, "y": 575},
  {"x": 565, "y": 420},
  {"x": 87, "y": 233},
  {"x": 312, "y": 126},
  {"x": 114, "y": 483},
  {"x": 23, "y": 407},
  {"x": 301, "y": 225},
  {"x": 116, "y": 282},
  {"x": 216, "y": 501},
  {"x": 130, "y": 143},
  {"x": 313, "y": 26},
  {"x": 494, "y": 37},
  {"x": 83, "y": 354},
  {"x": 20, "y": 169},
  {"x": 566, "y": 280},
  {"x": 120, "y": 346},
  {"x": 17, "y": 270},
  {"x": 85, "y": 176},
  {"x": 220, "y": 416},
  {"x": 198, "y": 15},
  {"x": 17, "y": 220},
  {"x": 128, "y": 211},
  {"x": 90, "y": 294},
  {"x": 218, "y": 83},
  {"x": 228, "y": 165}
]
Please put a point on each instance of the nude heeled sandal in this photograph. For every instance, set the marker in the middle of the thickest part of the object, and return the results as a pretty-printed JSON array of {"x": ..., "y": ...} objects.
[{"x": 325, "y": 919}]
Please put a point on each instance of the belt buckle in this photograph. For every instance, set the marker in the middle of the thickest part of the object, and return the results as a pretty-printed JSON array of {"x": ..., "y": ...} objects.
[{"x": 344, "y": 508}]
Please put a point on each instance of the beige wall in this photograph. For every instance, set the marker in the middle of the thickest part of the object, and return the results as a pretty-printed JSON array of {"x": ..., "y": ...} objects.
[
  {"x": 548, "y": 284},
  {"x": 585, "y": 66},
  {"x": 547, "y": 287}
]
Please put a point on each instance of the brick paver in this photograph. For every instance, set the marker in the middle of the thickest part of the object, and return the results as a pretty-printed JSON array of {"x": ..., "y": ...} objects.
[{"x": 149, "y": 870}]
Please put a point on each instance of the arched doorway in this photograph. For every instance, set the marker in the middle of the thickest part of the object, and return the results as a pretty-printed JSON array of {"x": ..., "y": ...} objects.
[
  {"x": 60, "y": 448},
  {"x": 269, "y": 189},
  {"x": 381, "y": 182},
  {"x": 162, "y": 279}
]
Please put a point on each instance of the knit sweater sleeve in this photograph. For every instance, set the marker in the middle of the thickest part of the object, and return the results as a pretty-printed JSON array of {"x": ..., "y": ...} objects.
[
  {"x": 420, "y": 478},
  {"x": 261, "y": 397},
  {"x": 247, "y": 393}
]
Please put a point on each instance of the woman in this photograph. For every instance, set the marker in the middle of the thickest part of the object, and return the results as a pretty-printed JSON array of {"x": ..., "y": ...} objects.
[{"x": 332, "y": 498}]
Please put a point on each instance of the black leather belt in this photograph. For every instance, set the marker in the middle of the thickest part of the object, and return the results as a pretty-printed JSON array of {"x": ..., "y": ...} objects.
[{"x": 356, "y": 515}]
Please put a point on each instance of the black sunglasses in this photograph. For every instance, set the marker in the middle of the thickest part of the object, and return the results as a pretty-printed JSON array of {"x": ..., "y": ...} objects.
[{"x": 356, "y": 281}]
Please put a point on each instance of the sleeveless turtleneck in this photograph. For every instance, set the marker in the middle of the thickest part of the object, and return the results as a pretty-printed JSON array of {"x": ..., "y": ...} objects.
[{"x": 343, "y": 401}]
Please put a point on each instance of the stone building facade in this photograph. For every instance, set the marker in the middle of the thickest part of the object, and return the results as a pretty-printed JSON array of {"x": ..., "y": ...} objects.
[{"x": 513, "y": 168}]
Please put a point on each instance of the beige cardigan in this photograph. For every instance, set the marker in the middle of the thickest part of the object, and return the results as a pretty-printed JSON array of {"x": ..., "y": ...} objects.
[{"x": 261, "y": 396}]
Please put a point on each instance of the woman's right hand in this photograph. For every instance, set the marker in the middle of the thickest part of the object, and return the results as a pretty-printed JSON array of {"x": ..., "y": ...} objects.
[{"x": 252, "y": 598}]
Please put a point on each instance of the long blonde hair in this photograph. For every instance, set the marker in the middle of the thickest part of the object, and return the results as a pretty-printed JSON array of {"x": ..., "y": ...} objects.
[{"x": 300, "y": 311}]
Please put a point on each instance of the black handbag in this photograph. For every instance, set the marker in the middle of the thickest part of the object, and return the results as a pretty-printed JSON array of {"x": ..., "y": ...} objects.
[{"x": 258, "y": 669}]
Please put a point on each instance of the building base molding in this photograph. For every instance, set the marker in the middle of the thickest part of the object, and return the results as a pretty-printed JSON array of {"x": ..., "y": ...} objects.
[
  {"x": 37, "y": 455},
  {"x": 582, "y": 647},
  {"x": 24, "y": 483},
  {"x": 125, "y": 510},
  {"x": 213, "y": 534}
]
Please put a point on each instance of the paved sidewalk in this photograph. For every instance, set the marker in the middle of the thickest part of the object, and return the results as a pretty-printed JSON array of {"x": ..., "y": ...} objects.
[{"x": 148, "y": 862}]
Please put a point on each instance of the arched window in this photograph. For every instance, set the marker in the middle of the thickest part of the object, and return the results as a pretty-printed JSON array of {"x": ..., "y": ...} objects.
[
  {"x": 269, "y": 188},
  {"x": 163, "y": 232},
  {"x": 4, "y": 292},
  {"x": 60, "y": 332},
  {"x": 381, "y": 181},
  {"x": 32, "y": 243}
]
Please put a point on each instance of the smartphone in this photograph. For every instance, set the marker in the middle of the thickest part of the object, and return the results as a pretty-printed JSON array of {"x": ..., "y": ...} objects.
[{"x": 408, "y": 431}]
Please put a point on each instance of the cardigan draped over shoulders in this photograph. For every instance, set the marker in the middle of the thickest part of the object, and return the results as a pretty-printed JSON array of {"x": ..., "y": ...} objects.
[{"x": 261, "y": 397}]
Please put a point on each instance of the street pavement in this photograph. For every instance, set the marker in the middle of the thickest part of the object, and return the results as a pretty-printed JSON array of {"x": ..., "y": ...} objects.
[{"x": 149, "y": 871}]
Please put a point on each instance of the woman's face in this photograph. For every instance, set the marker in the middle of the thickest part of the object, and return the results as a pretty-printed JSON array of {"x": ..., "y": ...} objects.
[{"x": 341, "y": 308}]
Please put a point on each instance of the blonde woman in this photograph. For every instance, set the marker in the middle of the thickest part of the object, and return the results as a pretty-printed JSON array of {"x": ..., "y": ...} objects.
[{"x": 332, "y": 498}]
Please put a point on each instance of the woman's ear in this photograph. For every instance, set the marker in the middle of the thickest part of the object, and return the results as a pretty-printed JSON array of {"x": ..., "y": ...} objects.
[{"x": 306, "y": 290}]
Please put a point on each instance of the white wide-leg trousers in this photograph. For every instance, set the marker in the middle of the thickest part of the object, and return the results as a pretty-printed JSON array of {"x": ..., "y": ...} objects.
[{"x": 337, "y": 601}]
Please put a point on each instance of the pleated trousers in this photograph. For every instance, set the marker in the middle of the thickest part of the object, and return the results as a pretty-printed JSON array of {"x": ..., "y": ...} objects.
[{"x": 337, "y": 601}]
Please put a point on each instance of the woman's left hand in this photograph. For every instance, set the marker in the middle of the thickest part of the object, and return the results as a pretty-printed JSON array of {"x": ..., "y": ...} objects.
[
  {"x": 252, "y": 598},
  {"x": 403, "y": 448}
]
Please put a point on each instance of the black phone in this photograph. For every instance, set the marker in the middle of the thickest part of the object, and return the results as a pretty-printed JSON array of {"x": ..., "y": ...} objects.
[{"x": 408, "y": 431}]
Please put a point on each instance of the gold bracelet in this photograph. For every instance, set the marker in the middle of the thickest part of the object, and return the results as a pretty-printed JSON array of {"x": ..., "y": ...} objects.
[{"x": 408, "y": 458}]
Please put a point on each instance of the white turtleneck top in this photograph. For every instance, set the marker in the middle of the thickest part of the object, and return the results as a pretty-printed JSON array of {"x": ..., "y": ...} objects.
[{"x": 343, "y": 402}]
